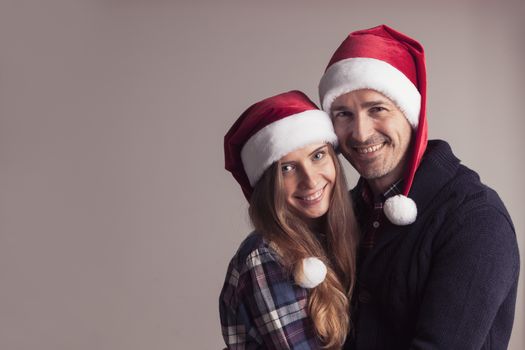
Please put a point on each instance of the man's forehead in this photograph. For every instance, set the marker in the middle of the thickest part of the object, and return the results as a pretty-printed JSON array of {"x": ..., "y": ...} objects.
[{"x": 363, "y": 98}]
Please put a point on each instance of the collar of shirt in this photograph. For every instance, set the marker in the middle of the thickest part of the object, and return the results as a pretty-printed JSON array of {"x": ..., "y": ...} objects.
[
  {"x": 377, "y": 203},
  {"x": 371, "y": 217}
]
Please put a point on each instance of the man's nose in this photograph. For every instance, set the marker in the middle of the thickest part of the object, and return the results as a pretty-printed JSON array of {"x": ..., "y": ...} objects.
[{"x": 362, "y": 128}]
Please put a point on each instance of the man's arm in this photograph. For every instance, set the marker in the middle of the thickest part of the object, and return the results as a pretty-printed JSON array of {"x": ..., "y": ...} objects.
[{"x": 472, "y": 284}]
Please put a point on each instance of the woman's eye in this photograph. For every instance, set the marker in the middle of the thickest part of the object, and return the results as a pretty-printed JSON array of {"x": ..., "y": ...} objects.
[
  {"x": 319, "y": 155},
  {"x": 286, "y": 168}
]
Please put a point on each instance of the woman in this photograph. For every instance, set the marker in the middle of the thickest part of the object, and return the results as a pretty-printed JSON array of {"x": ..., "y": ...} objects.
[{"x": 289, "y": 285}]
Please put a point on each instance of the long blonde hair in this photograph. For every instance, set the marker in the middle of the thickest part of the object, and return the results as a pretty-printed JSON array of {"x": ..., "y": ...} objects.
[{"x": 329, "y": 302}]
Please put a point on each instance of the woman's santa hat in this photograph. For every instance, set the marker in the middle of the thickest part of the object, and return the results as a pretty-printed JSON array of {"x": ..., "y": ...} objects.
[
  {"x": 267, "y": 131},
  {"x": 393, "y": 64}
]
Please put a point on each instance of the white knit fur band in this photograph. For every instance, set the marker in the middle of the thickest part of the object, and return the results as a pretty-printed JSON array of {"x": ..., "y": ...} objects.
[
  {"x": 279, "y": 138},
  {"x": 369, "y": 73}
]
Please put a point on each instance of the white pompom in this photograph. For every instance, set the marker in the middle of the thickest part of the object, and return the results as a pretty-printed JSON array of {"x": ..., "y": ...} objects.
[
  {"x": 312, "y": 274},
  {"x": 400, "y": 210}
]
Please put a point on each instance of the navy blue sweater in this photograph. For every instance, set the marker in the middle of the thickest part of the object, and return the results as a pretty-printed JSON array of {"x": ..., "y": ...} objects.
[{"x": 447, "y": 281}]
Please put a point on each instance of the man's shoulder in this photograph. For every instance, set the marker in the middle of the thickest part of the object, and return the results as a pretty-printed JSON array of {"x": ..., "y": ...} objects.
[
  {"x": 467, "y": 207},
  {"x": 472, "y": 195},
  {"x": 461, "y": 184}
]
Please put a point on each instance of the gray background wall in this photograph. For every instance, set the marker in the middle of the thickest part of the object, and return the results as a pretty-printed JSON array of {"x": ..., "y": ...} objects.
[{"x": 117, "y": 219}]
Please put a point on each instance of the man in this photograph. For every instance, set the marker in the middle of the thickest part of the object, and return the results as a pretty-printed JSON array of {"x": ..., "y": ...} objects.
[{"x": 438, "y": 261}]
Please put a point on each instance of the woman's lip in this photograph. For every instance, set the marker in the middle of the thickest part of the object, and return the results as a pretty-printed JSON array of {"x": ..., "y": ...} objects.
[{"x": 315, "y": 197}]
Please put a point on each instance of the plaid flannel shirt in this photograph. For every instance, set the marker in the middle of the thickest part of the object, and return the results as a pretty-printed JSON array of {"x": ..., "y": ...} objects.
[
  {"x": 374, "y": 217},
  {"x": 260, "y": 305}
]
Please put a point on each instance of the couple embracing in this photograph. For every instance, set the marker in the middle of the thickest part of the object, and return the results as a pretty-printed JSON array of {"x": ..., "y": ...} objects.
[{"x": 418, "y": 255}]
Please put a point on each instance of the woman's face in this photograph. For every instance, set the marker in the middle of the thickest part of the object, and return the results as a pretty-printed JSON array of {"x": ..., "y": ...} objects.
[{"x": 308, "y": 180}]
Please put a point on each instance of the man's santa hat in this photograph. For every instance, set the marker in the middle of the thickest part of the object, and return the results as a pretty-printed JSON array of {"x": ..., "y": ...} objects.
[
  {"x": 267, "y": 131},
  {"x": 393, "y": 64}
]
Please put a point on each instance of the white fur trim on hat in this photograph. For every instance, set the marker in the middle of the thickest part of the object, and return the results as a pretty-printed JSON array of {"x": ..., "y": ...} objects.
[
  {"x": 283, "y": 136},
  {"x": 400, "y": 210},
  {"x": 369, "y": 73},
  {"x": 313, "y": 272}
]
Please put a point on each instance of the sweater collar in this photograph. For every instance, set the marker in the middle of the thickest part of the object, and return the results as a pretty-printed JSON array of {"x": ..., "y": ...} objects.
[{"x": 437, "y": 167}]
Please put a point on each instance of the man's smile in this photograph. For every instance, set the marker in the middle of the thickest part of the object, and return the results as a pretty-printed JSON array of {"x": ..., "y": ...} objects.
[{"x": 369, "y": 149}]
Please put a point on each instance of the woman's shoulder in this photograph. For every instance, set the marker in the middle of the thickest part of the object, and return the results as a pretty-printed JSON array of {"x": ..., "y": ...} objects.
[
  {"x": 254, "y": 250},
  {"x": 254, "y": 261}
]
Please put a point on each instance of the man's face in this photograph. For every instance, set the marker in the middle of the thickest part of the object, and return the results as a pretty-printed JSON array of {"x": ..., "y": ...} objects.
[{"x": 374, "y": 135}]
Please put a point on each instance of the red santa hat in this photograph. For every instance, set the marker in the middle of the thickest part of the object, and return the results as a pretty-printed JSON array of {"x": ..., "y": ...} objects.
[
  {"x": 269, "y": 130},
  {"x": 393, "y": 64},
  {"x": 263, "y": 134}
]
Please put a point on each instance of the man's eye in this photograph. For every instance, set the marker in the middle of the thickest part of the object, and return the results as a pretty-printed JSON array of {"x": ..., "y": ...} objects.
[
  {"x": 377, "y": 109},
  {"x": 287, "y": 168},
  {"x": 342, "y": 114}
]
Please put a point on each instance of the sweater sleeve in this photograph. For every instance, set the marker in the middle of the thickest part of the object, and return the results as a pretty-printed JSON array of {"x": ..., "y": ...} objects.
[
  {"x": 266, "y": 309},
  {"x": 472, "y": 284}
]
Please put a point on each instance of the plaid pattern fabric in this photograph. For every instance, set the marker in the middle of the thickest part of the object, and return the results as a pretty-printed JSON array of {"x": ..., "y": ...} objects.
[
  {"x": 374, "y": 216},
  {"x": 260, "y": 306}
]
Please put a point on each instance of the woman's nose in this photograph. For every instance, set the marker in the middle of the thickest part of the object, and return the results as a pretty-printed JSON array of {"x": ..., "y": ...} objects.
[{"x": 308, "y": 178}]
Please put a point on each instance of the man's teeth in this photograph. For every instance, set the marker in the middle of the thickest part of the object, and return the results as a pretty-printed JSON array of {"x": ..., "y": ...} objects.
[
  {"x": 365, "y": 150},
  {"x": 314, "y": 196}
]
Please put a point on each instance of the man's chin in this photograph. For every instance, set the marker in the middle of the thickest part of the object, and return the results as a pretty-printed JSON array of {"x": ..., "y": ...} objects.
[
  {"x": 372, "y": 174},
  {"x": 369, "y": 173}
]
